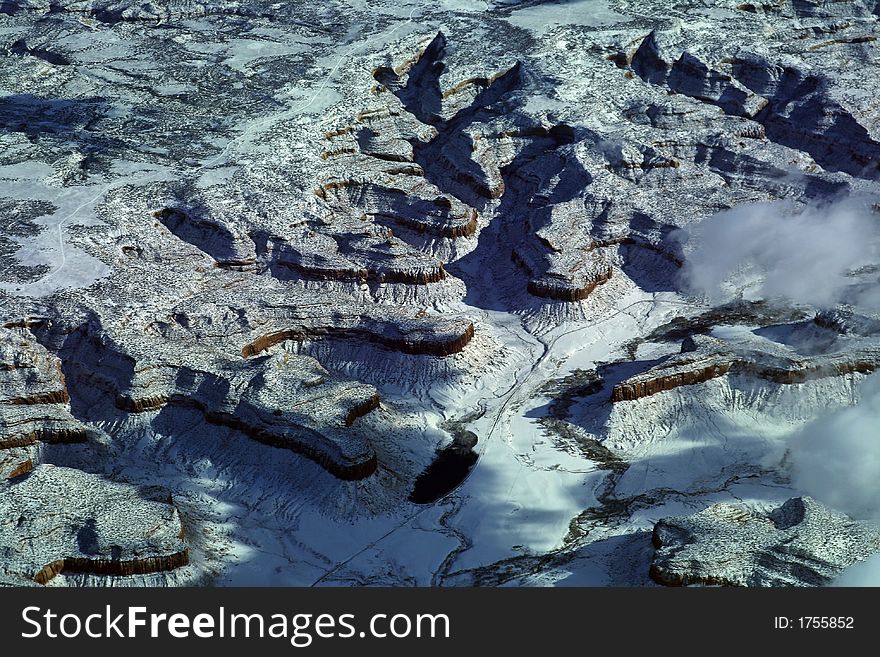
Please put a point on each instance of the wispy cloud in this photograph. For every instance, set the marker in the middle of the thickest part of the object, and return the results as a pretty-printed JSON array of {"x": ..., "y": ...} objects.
[
  {"x": 775, "y": 249},
  {"x": 836, "y": 459}
]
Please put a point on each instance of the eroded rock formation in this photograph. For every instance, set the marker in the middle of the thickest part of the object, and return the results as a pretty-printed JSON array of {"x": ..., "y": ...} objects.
[
  {"x": 800, "y": 543},
  {"x": 94, "y": 526},
  {"x": 426, "y": 164},
  {"x": 34, "y": 402},
  {"x": 704, "y": 358}
]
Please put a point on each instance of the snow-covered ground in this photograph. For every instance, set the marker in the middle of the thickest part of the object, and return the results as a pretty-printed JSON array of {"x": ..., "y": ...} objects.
[{"x": 236, "y": 109}]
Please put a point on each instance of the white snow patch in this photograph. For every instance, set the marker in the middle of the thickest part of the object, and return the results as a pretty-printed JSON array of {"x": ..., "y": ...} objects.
[{"x": 543, "y": 17}]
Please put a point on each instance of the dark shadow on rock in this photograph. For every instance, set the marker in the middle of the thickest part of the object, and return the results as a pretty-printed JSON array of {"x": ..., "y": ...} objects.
[
  {"x": 467, "y": 180},
  {"x": 747, "y": 171},
  {"x": 801, "y": 114},
  {"x": 596, "y": 398},
  {"x": 422, "y": 96},
  {"x": 517, "y": 218},
  {"x": 211, "y": 387},
  {"x": 189, "y": 222},
  {"x": 189, "y": 219},
  {"x": 821, "y": 9},
  {"x": 448, "y": 470},
  {"x": 653, "y": 264},
  {"x": 805, "y": 337},
  {"x": 88, "y": 360},
  {"x": 59, "y": 122},
  {"x": 22, "y": 49},
  {"x": 87, "y": 538}
]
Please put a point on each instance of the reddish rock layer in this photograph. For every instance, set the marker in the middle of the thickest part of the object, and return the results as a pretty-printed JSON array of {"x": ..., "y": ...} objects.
[
  {"x": 346, "y": 472},
  {"x": 362, "y": 409},
  {"x": 51, "y": 397},
  {"x": 45, "y": 435},
  {"x": 438, "y": 348},
  {"x": 629, "y": 391},
  {"x": 461, "y": 230},
  {"x": 417, "y": 277},
  {"x": 561, "y": 291},
  {"x": 117, "y": 567},
  {"x": 799, "y": 373},
  {"x": 23, "y": 468}
]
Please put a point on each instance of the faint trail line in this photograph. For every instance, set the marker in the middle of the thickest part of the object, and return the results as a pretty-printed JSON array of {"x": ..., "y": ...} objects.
[{"x": 250, "y": 130}]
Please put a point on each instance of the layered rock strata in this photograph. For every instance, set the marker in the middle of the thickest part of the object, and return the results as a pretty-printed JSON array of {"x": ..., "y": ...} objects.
[
  {"x": 800, "y": 543},
  {"x": 63, "y": 526},
  {"x": 34, "y": 402},
  {"x": 708, "y": 358}
]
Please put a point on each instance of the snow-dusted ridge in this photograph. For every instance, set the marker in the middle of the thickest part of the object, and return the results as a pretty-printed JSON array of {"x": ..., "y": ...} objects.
[{"x": 279, "y": 258}]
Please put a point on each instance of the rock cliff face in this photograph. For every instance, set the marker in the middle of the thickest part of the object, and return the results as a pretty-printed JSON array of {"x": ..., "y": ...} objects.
[
  {"x": 138, "y": 537},
  {"x": 34, "y": 402},
  {"x": 142, "y": 534},
  {"x": 460, "y": 153},
  {"x": 211, "y": 348},
  {"x": 801, "y": 543},
  {"x": 409, "y": 340},
  {"x": 284, "y": 400},
  {"x": 16, "y": 461},
  {"x": 212, "y": 236},
  {"x": 361, "y": 255},
  {"x": 708, "y": 358},
  {"x": 655, "y": 381},
  {"x": 792, "y": 104}
]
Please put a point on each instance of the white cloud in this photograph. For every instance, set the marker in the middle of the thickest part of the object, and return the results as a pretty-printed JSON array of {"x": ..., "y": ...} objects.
[
  {"x": 836, "y": 459},
  {"x": 864, "y": 573},
  {"x": 777, "y": 250}
]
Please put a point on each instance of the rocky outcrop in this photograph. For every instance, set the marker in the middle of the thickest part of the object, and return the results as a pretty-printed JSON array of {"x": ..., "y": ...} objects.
[
  {"x": 229, "y": 251},
  {"x": 705, "y": 358},
  {"x": 847, "y": 322},
  {"x": 804, "y": 114},
  {"x": 572, "y": 286},
  {"x": 418, "y": 206},
  {"x": 63, "y": 526},
  {"x": 205, "y": 351},
  {"x": 286, "y": 400},
  {"x": 653, "y": 59},
  {"x": 692, "y": 77},
  {"x": 16, "y": 461},
  {"x": 660, "y": 59},
  {"x": 696, "y": 372},
  {"x": 461, "y": 154},
  {"x": 800, "y": 543},
  {"x": 795, "y": 107},
  {"x": 464, "y": 150},
  {"x": 409, "y": 340},
  {"x": 375, "y": 175},
  {"x": 34, "y": 402},
  {"x": 357, "y": 254}
]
